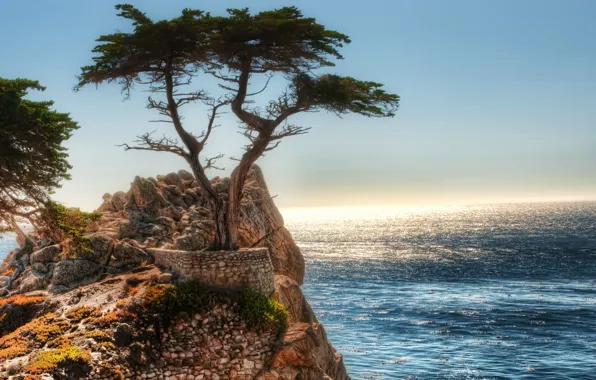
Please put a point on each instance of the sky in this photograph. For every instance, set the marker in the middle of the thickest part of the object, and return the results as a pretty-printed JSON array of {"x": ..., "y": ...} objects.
[{"x": 497, "y": 102}]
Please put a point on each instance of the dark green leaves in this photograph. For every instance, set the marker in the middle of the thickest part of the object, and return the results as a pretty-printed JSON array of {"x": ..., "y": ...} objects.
[
  {"x": 32, "y": 158},
  {"x": 343, "y": 95},
  {"x": 279, "y": 41},
  {"x": 144, "y": 56}
]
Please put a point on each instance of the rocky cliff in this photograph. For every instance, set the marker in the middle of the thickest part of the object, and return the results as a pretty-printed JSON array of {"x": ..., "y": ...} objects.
[{"x": 68, "y": 315}]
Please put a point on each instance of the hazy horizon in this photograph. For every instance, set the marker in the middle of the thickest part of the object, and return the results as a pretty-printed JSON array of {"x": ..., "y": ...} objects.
[{"x": 497, "y": 103}]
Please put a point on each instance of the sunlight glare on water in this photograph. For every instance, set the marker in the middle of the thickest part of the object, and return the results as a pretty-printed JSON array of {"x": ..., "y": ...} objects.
[{"x": 466, "y": 292}]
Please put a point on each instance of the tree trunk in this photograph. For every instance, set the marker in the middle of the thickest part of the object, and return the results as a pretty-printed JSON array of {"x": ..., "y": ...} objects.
[
  {"x": 216, "y": 204},
  {"x": 21, "y": 236},
  {"x": 237, "y": 180}
]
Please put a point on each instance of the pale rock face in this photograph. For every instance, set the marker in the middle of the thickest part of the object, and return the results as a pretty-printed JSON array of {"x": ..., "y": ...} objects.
[
  {"x": 261, "y": 225},
  {"x": 46, "y": 255},
  {"x": 143, "y": 194},
  {"x": 174, "y": 180},
  {"x": 286, "y": 256},
  {"x": 198, "y": 230},
  {"x": 125, "y": 254},
  {"x": 71, "y": 273},
  {"x": 100, "y": 247},
  {"x": 185, "y": 175},
  {"x": 35, "y": 281},
  {"x": 289, "y": 294},
  {"x": 305, "y": 352}
]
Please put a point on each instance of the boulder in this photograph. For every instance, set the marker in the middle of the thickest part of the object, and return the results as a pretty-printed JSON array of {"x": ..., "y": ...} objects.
[
  {"x": 174, "y": 180},
  {"x": 106, "y": 206},
  {"x": 191, "y": 241},
  {"x": 118, "y": 200},
  {"x": 198, "y": 230},
  {"x": 113, "y": 203},
  {"x": 125, "y": 254},
  {"x": 101, "y": 248},
  {"x": 126, "y": 228},
  {"x": 123, "y": 335},
  {"x": 144, "y": 195},
  {"x": 185, "y": 175},
  {"x": 33, "y": 281},
  {"x": 46, "y": 255},
  {"x": 71, "y": 273}
]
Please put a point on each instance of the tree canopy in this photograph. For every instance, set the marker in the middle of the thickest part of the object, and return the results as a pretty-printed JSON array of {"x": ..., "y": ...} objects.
[
  {"x": 33, "y": 160},
  {"x": 169, "y": 55}
]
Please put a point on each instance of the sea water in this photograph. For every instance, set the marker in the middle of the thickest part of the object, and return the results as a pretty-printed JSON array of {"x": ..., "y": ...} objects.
[
  {"x": 471, "y": 292},
  {"x": 478, "y": 292}
]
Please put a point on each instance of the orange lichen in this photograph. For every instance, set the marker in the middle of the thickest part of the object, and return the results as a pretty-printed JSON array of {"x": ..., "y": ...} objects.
[
  {"x": 8, "y": 272},
  {"x": 111, "y": 318},
  {"x": 3, "y": 318},
  {"x": 133, "y": 291},
  {"x": 97, "y": 335},
  {"x": 81, "y": 312},
  {"x": 31, "y": 335},
  {"x": 61, "y": 341},
  {"x": 13, "y": 351},
  {"x": 154, "y": 295},
  {"x": 21, "y": 300}
]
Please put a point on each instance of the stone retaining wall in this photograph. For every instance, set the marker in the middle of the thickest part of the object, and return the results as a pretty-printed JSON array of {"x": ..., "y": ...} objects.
[{"x": 250, "y": 268}]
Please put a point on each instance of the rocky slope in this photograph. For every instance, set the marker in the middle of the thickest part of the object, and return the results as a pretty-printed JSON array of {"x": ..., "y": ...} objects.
[{"x": 43, "y": 283}]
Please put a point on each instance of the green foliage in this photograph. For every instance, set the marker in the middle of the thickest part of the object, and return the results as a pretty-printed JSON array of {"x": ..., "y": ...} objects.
[
  {"x": 188, "y": 296},
  {"x": 281, "y": 40},
  {"x": 175, "y": 47},
  {"x": 62, "y": 224},
  {"x": 258, "y": 310},
  {"x": 32, "y": 158},
  {"x": 262, "y": 312}
]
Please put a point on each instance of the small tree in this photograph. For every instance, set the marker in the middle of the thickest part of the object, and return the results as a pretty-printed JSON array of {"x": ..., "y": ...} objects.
[
  {"x": 285, "y": 42},
  {"x": 33, "y": 161},
  {"x": 164, "y": 56},
  {"x": 167, "y": 55}
]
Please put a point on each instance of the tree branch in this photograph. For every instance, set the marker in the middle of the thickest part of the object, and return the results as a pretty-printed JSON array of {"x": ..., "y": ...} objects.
[{"x": 210, "y": 162}]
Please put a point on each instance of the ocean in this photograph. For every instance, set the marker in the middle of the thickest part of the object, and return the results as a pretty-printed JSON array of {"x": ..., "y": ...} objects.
[
  {"x": 470, "y": 292},
  {"x": 478, "y": 292}
]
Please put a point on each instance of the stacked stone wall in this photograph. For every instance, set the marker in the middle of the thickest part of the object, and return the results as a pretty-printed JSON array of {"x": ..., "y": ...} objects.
[{"x": 250, "y": 268}]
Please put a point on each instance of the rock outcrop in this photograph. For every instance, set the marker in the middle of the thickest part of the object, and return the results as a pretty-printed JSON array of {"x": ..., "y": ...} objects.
[{"x": 169, "y": 213}]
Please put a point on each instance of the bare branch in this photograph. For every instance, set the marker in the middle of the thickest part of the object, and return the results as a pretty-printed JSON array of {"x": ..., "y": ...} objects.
[
  {"x": 224, "y": 77},
  {"x": 212, "y": 118},
  {"x": 272, "y": 147},
  {"x": 289, "y": 130},
  {"x": 264, "y": 87},
  {"x": 164, "y": 144},
  {"x": 210, "y": 162}
]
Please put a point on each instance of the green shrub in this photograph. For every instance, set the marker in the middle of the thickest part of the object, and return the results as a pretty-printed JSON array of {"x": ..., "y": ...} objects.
[
  {"x": 261, "y": 312},
  {"x": 258, "y": 310},
  {"x": 67, "y": 225},
  {"x": 188, "y": 296}
]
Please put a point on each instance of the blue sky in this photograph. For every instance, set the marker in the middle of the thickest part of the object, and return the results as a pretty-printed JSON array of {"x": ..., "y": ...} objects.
[{"x": 498, "y": 102}]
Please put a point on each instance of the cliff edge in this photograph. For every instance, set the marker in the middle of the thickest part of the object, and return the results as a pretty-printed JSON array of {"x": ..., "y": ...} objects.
[{"x": 126, "y": 308}]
